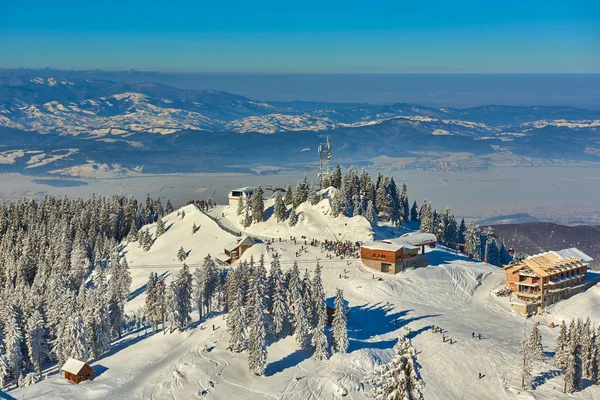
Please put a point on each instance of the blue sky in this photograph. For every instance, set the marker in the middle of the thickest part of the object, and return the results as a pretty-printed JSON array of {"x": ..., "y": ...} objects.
[{"x": 330, "y": 36}]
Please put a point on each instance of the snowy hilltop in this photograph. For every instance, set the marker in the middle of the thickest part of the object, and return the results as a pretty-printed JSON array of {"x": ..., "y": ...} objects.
[{"x": 295, "y": 314}]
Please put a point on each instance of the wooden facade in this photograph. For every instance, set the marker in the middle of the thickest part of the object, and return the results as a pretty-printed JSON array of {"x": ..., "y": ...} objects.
[
  {"x": 544, "y": 279},
  {"x": 393, "y": 255},
  {"x": 77, "y": 371}
]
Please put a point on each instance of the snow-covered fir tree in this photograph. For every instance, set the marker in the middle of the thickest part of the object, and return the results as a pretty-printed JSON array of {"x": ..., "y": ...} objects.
[
  {"x": 181, "y": 254},
  {"x": 472, "y": 240},
  {"x": 279, "y": 208},
  {"x": 37, "y": 341},
  {"x": 561, "y": 351},
  {"x": 426, "y": 218},
  {"x": 294, "y": 295},
  {"x": 160, "y": 228},
  {"x": 319, "y": 336},
  {"x": 119, "y": 287},
  {"x": 288, "y": 199},
  {"x": 257, "y": 346},
  {"x": 340, "y": 332},
  {"x": 182, "y": 298},
  {"x": 168, "y": 207},
  {"x": 370, "y": 213},
  {"x": 13, "y": 343},
  {"x": 526, "y": 373},
  {"x": 72, "y": 340},
  {"x": 535, "y": 341},
  {"x": 240, "y": 206},
  {"x": 405, "y": 206},
  {"x": 4, "y": 371},
  {"x": 314, "y": 198},
  {"x": 414, "y": 212},
  {"x": 336, "y": 177},
  {"x": 257, "y": 205},
  {"x": 235, "y": 323},
  {"x": 280, "y": 313},
  {"x": 293, "y": 219},
  {"x": 247, "y": 217},
  {"x": 194, "y": 228},
  {"x": 573, "y": 370},
  {"x": 398, "y": 380},
  {"x": 587, "y": 350}
]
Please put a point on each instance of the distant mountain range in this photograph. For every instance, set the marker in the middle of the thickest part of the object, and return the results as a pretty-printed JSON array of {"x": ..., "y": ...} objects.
[
  {"x": 78, "y": 127},
  {"x": 536, "y": 237}
]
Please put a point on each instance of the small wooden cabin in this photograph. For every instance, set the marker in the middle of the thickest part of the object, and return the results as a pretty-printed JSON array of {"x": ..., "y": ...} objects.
[
  {"x": 234, "y": 250},
  {"x": 77, "y": 371}
]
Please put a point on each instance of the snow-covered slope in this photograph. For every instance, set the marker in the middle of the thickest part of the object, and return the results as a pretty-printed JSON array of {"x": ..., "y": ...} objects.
[{"x": 452, "y": 293}]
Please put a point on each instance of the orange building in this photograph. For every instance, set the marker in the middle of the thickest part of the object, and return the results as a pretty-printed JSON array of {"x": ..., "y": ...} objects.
[
  {"x": 544, "y": 279},
  {"x": 395, "y": 255}
]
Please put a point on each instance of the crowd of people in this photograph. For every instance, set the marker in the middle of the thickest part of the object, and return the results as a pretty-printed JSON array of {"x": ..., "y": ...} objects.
[{"x": 204, "y": 205}]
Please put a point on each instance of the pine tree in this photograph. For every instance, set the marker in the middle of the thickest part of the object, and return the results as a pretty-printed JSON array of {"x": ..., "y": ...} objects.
[
  {"x": 462, "y": 232},
  {"x": 279, "y": 208},
  {"x": 182, "y": 214},
  {"x": 240, "y": 206},
  {"x": 370, "y": 213},
  {"x": 405, "y": 207},
  {"x": 562, "y": 347},
  {"x": 294, "y": 295},
  {"x": 4, "y": 371},
  {"x": 526, "y": 376},
  {"x": 319, "y": 337},
  {"x": 182, "y": 297},
  {"x": 340, "y": 333},
  {"x": 398, "y": 380},
  {"x": 37, "y": 341},
  {"x": 194, "y": 228},
  {"x": 314, "y": 198},
  {"x": 472, "y": 240},
  {"x": 235, "y": 323},
  {"x": 573, "y": 368},
  {"x": 257, "y": 346},
  {"x": 168, "y": 207},
  {"x": 160, "y": 228},
  {"x": 181, "y": 254},
  {"x": 257, "y": 205},
  {"x": 302, "y": 325},
  {"x": 13, "y": 341},
  {"x": 293, "y": 220},
  {"x": 280, "y": 308},
  {"x": 426, "y": 218},
  {"x": 247, "y": 217},
  {"x": 535, "y": 341},
  {"x": 72, "y": 340},
  {"x": 414, "y": 212},
  {"x": 119, "y": 286},
  {"x": 587, "y": 350},
  {"x": 288, "y": 199},
  {"x": 336, "y": 177}
]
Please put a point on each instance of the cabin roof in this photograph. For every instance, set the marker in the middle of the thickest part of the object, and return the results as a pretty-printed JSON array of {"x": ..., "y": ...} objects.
[
  {"x": 73, "y": 366},
  {"x": 382, "y": 246}
]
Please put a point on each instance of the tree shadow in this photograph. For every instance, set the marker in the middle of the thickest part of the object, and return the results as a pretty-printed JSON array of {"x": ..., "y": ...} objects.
[
  {"x": 6, "y": 396},
  {"x": 286, "y": 362},
  {"x": 544, "y": 377},
  {"x": 169, "y": 227},
  {"x": 143, "y": 288},
  {"x": 437, "y": 258},
  {"x": 99, "y": 369},
  {"x": 269, "y": 212},
  {"x": 369, "y": 321}
]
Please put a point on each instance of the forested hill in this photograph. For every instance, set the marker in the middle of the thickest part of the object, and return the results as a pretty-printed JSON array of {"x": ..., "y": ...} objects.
[{"x": 535, "y": 237}]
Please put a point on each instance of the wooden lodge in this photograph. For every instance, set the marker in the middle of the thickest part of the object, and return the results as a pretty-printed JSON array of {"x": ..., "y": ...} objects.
[
  {"x": 544, "y": 279},
  {"x": 234, "y": 250},
  {"x": 77, "y": 371},
  {"x": 394, "y": 255}
]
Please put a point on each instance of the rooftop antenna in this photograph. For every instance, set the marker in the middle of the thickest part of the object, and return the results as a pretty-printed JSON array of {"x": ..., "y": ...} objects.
[{"x": 324, "y": 163}]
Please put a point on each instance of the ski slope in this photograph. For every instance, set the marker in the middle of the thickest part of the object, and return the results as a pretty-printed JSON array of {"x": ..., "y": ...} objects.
[{"x": 452, "y": 293}]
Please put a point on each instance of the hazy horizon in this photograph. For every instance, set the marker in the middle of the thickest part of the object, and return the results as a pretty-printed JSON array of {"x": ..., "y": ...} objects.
[{"x": 430, "y": 89}]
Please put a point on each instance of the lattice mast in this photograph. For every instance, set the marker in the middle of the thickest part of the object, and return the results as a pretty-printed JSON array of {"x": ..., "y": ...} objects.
[{"x": 324, "y": 163}]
